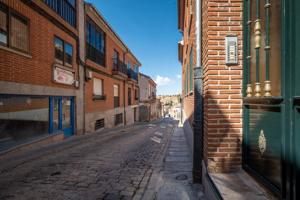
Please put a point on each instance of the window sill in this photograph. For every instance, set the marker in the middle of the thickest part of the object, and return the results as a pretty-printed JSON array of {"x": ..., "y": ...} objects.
[
  {"x": 99, "y": 97},
  {"x": 94, "y": 63},
  {"x": 64, "y": 67},
  {"x": 15, "y": 51}
]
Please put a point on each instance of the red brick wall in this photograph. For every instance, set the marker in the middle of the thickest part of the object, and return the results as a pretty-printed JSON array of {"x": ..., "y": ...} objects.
[
  {"x": 189, "y": 43},
  {"x": 222, "y": 86},
  {"x": 38, "y": 69},
  {"x": 108, "y": 78}
]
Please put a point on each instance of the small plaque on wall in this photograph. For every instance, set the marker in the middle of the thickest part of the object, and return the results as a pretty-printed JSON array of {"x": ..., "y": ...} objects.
[
  {"x": 231, "y": 43},
  {"x": 63, "y": 76}
]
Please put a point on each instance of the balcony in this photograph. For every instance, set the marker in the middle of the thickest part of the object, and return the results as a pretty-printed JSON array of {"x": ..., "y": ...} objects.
[
  {"x": 65, "y": 8},
  {"x": 152, "y": 96},
  {"x": 119, "y": 68},
  {"x": 132, "y": 75}
]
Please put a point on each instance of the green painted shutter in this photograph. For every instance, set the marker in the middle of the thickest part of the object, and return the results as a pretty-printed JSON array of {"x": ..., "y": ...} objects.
[{"x": 191, "y": 71}]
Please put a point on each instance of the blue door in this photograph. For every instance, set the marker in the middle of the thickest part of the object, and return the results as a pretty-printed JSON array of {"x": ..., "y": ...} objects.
[
  {"x": 67, "y": 115},
  {"x": 62, "y": 115}
]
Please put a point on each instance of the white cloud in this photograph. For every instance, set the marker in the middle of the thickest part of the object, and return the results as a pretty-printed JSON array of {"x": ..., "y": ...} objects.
[
  {"x": 178, "y": 76},
  {"x": 162, "y": 81}
]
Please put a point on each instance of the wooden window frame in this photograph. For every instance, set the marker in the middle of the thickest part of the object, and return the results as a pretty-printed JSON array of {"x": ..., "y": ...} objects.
[{"x": 9, "y": 13}]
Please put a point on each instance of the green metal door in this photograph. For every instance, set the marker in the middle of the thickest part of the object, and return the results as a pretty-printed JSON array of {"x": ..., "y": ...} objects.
[
  {"x": 271, "y": 145},
  {"x": 264, "y": 108},
  {"x": 295, "y": 94}
]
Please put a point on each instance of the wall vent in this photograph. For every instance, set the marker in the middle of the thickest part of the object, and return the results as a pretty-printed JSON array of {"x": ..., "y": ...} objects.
[
  {"x": 99, "y": 124},
  {"x": 119, "y": 119}
]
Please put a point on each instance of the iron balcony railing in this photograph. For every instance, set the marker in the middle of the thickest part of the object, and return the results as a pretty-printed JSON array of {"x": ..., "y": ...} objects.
[
  {"x": 152, "y": 95},
  {"x": 132, "y": 74},
  {"x": 119, "y": 66},
  {"x": 95, "y": 55},
  {"x": 65, "y": 8}
]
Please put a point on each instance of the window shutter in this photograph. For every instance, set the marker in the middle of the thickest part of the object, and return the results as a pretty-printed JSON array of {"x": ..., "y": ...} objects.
[
  {"x": 98, "y": 86},
  {"x": 191, "y": 71},
  {"x": 116, "y": 90},
  {"x": 19, "y": 34}
]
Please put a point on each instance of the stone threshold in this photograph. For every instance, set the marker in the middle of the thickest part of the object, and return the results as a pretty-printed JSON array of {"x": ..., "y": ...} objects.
[{"x": 238, "y": 185}]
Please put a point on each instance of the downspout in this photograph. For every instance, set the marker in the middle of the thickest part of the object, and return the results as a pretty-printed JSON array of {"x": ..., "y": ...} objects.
[
  {"x": 124, "y": 83},
  {"x": 198, "y": 105}
]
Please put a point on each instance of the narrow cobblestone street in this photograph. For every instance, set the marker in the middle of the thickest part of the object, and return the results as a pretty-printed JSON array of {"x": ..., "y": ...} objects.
[{"x": 112, "y": 165}]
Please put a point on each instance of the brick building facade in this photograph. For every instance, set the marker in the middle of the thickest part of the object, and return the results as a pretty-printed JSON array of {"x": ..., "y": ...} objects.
[
  {"x": 40, "y": 71},
  {"x": 116, "y": 73},
  {"x": 245, "y": 127},
  {"x": 220, "y": 84},
  {"x": 64, "y": 71},
  {"x": 149, "y": 107}
]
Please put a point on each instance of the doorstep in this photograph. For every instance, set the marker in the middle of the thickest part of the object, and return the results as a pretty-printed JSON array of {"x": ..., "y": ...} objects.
[{"x": 238, "y": 185}]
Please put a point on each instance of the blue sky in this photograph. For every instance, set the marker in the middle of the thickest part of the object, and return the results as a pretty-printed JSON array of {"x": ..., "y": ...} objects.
[{"x": 149, "y": 29}]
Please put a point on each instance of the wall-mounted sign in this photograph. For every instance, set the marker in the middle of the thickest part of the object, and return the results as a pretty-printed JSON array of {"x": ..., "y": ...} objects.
[
  {"x": 63, "y": 76},
  {"x": 231, "y": 43}
]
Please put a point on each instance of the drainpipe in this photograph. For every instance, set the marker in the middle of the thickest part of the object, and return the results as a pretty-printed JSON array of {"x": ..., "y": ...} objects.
[
  {"x": 198, "y": 105},
  {"x": 124, "y": 91}
]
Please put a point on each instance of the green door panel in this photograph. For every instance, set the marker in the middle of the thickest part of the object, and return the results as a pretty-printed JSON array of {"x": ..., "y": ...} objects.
[{"x": 264, "y": 142}]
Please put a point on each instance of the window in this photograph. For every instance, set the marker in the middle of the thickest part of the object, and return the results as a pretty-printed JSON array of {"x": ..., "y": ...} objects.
[
  {"x": 95, "y": 39},
  {"x": 116, "y": 57},
  {"x": 191, "y": 70},
  {"x": 264, "y": 63},
  {"x": 116, "y": 96},
  {"x": 136, "y": 94},
  {"x": 14, "y": 30},
  {"x": 128, "y": 65},
  {"x": 19, "y": 33},
  {"x": 68, "y": 53},
  {"x": 3, "y": 25},
  {"x": 22, "y": 118},
  {"x": 59, "y": 50},
  {"x": 63, "y": 52},
  {"x": 72, "y": 2},
  {"x": 98, "y": 87},
  {"x": 65, "y": 8},
  {"x": 186, "y": 80},
  {"x": 136, "y": 69},
  {"x": 129, "y": 96}
]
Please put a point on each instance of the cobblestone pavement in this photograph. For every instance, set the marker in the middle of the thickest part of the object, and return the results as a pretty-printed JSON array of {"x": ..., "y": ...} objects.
[{"x": 112, "y": 166}]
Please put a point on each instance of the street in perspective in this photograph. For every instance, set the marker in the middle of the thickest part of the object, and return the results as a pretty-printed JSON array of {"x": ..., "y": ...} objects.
[
  {"x": 149, "y": 100},
  {"x": 118, "y": 164}
]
